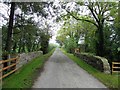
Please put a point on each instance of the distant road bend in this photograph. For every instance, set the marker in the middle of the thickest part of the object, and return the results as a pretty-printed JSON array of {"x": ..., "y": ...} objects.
[{"x": 62, "y": 72}]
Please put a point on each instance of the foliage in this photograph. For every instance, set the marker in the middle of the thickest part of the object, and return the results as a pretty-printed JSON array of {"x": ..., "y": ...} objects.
[
  {"x": 44, "y": 42},
  {"x": 99, "y": 27},
  {"x": 70, "y": 45},
  {"x": 26, "y": 36},
  {"x": 51, "y": 47},
  {"x": 99, "y": 13},
  {"x": 69, "y": 35}
]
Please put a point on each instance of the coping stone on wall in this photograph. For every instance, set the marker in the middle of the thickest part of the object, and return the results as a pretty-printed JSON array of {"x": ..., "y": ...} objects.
[{"x": 105, "y": 65}]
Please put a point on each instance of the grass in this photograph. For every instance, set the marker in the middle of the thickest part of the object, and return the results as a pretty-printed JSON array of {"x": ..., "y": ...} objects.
[
  {"x": 111, "y": 81},
  {"x": 26, "y": 75}
]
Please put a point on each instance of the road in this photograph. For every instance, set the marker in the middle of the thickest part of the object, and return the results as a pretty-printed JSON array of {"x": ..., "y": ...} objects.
[{"x": 62, "y": 72}]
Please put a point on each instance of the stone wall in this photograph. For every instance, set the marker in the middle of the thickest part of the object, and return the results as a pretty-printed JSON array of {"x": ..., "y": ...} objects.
[
  {"x": 24, "y": 58},
  {"x": 97, "y": 62}
]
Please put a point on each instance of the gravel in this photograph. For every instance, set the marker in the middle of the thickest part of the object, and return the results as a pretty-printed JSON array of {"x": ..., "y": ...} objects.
[{"x": 62, "y": 72}]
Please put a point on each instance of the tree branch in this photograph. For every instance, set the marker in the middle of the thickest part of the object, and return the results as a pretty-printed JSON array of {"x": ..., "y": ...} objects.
[
  {"x": 93, "y": 14},
  {"x": 82, "y": 19}
]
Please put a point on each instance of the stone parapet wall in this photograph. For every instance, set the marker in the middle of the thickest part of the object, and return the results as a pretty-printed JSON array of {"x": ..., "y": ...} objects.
[
  {"x": 97, "y": 62},
  {"x": 24, "y": 58}
]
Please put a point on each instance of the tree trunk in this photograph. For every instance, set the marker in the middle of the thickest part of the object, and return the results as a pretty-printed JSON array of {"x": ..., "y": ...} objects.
[
  {"x": 19, "y": 50},
  {"x": 44, "y": 46},
  {"x": 9, "y": 34},
  {"x": 10, "y": 27},
  {"x": 19, "y": 46},
  {"x": 14, "y": 47},
  {"x": 100, "y": 41}
]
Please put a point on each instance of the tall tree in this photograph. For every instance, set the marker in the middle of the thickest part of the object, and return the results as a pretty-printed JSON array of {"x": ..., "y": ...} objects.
[
  {"x": 99, "y": 14},
  {"x": 10, "y": 28}
]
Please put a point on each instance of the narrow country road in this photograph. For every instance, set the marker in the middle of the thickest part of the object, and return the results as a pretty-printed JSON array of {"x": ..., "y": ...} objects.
[{"x": 62, "y": 72}]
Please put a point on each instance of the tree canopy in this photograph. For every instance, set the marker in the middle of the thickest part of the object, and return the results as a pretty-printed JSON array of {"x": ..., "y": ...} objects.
[
  {"x": 98, "y": 28},
  {"x": 93, "y": 27}
]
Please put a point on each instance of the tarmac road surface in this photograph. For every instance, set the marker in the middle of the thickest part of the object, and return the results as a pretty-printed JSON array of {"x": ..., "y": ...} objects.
[{"x": 62, "y": 72}]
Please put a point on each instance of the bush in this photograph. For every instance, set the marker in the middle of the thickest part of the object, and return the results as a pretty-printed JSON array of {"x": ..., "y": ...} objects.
[{"x": 51, "y": 46}]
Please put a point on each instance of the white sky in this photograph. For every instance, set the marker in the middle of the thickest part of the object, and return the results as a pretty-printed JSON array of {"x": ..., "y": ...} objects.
[
  {"x": 55, "y": 26},
  {"x": 50, "y": 20},
  {"x": 3, "y": 13}
]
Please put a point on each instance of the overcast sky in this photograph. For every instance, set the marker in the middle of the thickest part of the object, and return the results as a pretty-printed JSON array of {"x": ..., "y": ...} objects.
[{"x": 4, "y": 13}]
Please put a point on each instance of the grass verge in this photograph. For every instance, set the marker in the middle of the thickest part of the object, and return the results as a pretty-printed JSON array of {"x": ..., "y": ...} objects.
[
  {"x": 26, "y": 75},
  {"x": 111, "y": 81}
]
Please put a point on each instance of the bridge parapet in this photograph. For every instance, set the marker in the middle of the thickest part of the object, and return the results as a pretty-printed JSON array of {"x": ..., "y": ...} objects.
[
  {"x": 97, "y": 62},
  {"x": 24, "y": 58}
]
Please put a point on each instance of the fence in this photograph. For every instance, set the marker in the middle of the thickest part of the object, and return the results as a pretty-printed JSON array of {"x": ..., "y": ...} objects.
[
  {"x": 77, "y": 50},
  {"x": 115, "y": 67},
  {"x": 9, "y": 68}
]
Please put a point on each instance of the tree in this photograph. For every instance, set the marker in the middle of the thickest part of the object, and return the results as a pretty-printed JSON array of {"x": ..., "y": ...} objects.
[
  {"x": 98, "y": 11},
  {"x": 45, "y": 36},
  {"x": 68, "y": 35},
  {"x": 25, "y": 35},
  {"x": 10, "y": 29}
]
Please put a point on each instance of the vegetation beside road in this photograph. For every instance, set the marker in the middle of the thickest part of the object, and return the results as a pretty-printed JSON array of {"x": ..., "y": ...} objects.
[
  {"x": 111, "y": 81},
  {"x": 25, "y": 76}
]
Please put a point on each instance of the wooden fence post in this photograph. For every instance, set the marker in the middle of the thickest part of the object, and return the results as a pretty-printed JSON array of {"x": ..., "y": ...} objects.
[
  {"x": 11, "y": 67},
  {"x": 115, "y": 67},
  {"x": 1, "y": 66}
]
